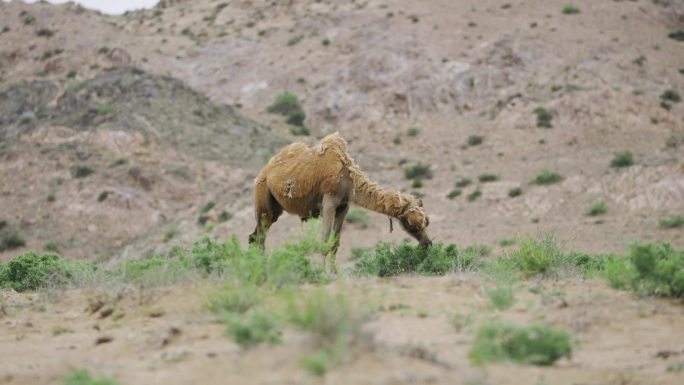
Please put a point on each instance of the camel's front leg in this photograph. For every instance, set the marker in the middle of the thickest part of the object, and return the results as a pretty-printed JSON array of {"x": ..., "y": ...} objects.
[
  {"x": 340, "y": 214},
  {"x": 330, "y": 204}
]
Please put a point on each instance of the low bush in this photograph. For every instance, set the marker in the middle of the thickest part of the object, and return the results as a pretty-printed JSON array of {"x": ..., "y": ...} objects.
[
  {"x": 622, "y": 159},
  {"x": 418, "y": 171},
  {"x": 288, "y": 105},
  {"x": 499, "y": 341},
  {"x": 391, "y": 259},
  {"x": 31, "y": 271},
  {"x": 484, "y": 178},
  {"x": 570, "y": 10},
  {"x": 514, "y": 192},
  {"x": 501, "y": 296},
  {"x": 546, "y": 177},
  {"x": 672, "y": 222},
  {"x": 253, "y": 329},
  {"x": 598, "y": 208},
  {"x": 649, "y": 269},
  {"x": 544, "y": 117}
]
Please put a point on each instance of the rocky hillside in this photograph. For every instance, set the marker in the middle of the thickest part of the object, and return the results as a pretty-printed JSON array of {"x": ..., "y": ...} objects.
[{"x": 483, "y": 91}]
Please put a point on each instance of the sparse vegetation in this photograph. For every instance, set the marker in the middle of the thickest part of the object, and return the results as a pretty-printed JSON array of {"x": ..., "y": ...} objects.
[
  {"x": 514, "y": 192},
  {"x": 44, "y": 32},
  {"x": 501, "y": 296},
  {"x": 546, "y": 177},
  {"x": 672, "y": 222},
  {"x": 454, "y": 193},
  {"x": 80, "y": 171},
  {"x": 412, "y": 131},
  {"x": 622, "y": 159},
  {"x": 418, "y": 171},
  {"x": 287, "y": 104},
  {"x": 570, "y": 10},
  {"x": 670, "y": 96},
  {"x": 498, "y": 341},
  {"x": 11, "y": 242},
  {"x": 544, "y": 117},
  {"x": 82, "y": 377},
  {"x": 676, "y": 35},
  {"x": 50, "y": 246},
  {"x": 295, "y": 40},
  {"x": 463, "y": 182},
  {"x": 474, "y": 140},
  {"x": 485, "y": 178},
  {"x": 598, "y": 208},
  {"x": 473, "y": 196},
  {"x": 224, "y": 216},
  {"x": 417, "y": 183}
]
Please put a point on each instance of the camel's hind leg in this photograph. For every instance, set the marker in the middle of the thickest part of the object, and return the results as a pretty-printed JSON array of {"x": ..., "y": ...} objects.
[
  {"x": 266, "y": 211},
  {"x": 333, "y": 212}
]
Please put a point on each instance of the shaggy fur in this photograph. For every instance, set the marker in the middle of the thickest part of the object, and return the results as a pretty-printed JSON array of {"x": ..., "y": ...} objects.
[{"x": 323, "y": 180}]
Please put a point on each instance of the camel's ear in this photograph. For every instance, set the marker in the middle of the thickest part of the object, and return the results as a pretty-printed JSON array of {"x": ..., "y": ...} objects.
[{"x": 420, "y": 202}]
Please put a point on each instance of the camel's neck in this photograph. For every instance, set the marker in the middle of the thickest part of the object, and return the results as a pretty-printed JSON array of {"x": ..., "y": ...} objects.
[{"x": 370, "y": 196}]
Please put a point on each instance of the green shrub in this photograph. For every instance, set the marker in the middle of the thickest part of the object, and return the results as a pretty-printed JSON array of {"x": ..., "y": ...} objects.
[
  {"x": 417, "y": 183},
  {"x": 501, "y": 296},
  {"x": 544, "y": 117},
  {"x": 463, "y": 182},
  {"x": 50, "y": 246},
  {"x": 542, "y": 256},
  {"x": 473, "y": 196},
  {"x": 418, "y": 170},
  {"x": 224, "y": 216},
  {"x": 474, "y": 140},
  {"x": 358, "y": 217},
  {"x": 671, "y": 96},
  {"x": 82, "y": 377},
  {"x": 317, "y": 363},
  {"x": 534, "y": 344},
  {"x": 514, "y": 192},
  {"x": 325, "y": 42},
  {"x": 507, "y": 242},
  {"x": 390, "y": 259},
  {"x": 454, "y": 193},
  {"x": 287, "y": 104},
  {"x": 659, "y": 270},
  {"x": 413, "y": 131},
  {"x": 598, "y": 208},
  {"x": 79, "y": 171},
  {"x": 677, "y": 35},
  {"x": 207, "y": 207},
  {"x": 622, "y": 159},
  {"x": 546, "y": 177},
  {"x": 673, "y": 222},
  {"x": 234, "y": 298},
  {"x": 570, "y": 10},
  {"x": 253, "y": 329},
  {"x": 30, "y": 271},
  {"x": 11, "y": 242},
  {"x": 484, "y": 178},
  {"x": 44, "y": 32}
]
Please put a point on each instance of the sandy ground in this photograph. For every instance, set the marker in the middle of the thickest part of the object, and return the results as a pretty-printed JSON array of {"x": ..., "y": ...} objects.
[{"x": 165, "y": 336}]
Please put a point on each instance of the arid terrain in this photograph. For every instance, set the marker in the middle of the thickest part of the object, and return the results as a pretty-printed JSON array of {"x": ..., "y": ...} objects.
[{"x": 124, "y": 136}]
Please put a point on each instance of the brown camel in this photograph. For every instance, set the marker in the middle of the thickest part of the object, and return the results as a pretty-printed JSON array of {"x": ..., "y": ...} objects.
[{"x": 323, "y": 180}]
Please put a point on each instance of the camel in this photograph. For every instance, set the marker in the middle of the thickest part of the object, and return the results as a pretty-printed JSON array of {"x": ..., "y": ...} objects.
[{"x": 324, "y": 180}]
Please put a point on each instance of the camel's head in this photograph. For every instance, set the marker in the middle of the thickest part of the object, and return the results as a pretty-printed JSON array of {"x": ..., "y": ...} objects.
[{"x": 414, "y": 220}]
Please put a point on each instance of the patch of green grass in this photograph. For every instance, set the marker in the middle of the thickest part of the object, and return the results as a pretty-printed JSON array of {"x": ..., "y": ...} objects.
[
  {"x": 501, "y": 296},
  {"x": 570, "y": 10},
  {"x": 676, "y": 35},
  {"x": 317, "y": 364},
  {"x": 325, "y": 42},
  {"x": 44, "y": 32},
  {"x": 454, "y": 193},
  {"x": 58, "y": 330},
  {"x": 673, "y": 222},
  {"x": 390, "y": 260},
  {"x": 514, "y": 192},
  {"x": 507, "y": 242},
  {"x": 71, "y": 74},
  {"x": 622, "y": 159},
  {"x": 417, "y": 183},
  {"x": 82, "y": 377},
  {"x": 544, "y": 117},
  {"x": 473, "y": 196},
  {"x": 358, "y": 217},
  {"x": 234, "y": 298},
  {"x": 485, "y": 178},
  {"x": 80, "y": 171},
  {"x": 598, "y": 208},
  {"x": 475, "y": 140},
  {"x": 546, "y": 177},
  {"x": 463, "y": 182},
  {"x": 31, "y": 271},
  {"x": 103, "y": 196},
  {"x": 670, "y": 96},
  {"x": 412, "y": 131},
  {"x": 545, "y": 257},
  {"x": 499, "y": 341},
  {"x": 418, "y": 170}
]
